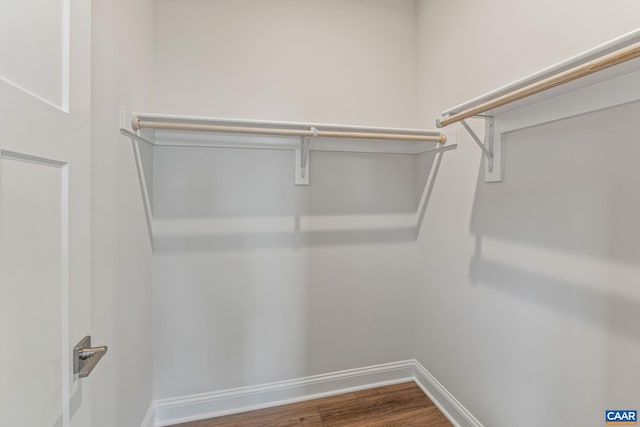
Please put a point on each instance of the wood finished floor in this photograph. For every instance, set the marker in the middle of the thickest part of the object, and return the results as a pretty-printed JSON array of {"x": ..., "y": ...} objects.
[{"x": 396, "y": 405}]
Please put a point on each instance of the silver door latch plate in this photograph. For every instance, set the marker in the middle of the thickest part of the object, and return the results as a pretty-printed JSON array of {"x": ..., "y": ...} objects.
[{"x": 85, "y": 357}]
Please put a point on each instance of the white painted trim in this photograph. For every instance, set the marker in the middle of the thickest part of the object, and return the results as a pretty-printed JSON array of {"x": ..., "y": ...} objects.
[
  {"x": 225, "y": 402},
  {"x": 443, "y": 399},
  {"x": 150, "y": 418},
  {"x": 66, "y": 56},
  {"x": 142, "y": 180},
  {"x": 165, "y": 412},
  {"x": 144, "y": 188}
]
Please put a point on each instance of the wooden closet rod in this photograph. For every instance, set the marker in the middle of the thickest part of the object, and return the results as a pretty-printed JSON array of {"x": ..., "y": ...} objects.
[
  {"x": 137, "y": 124},
  {"x": 625, "y": 54}
]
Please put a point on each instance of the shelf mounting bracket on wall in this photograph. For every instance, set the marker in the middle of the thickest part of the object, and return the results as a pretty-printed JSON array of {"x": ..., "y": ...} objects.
[
  {"x": 491, "y": 151},
  {"x": 302, "y": 158}
]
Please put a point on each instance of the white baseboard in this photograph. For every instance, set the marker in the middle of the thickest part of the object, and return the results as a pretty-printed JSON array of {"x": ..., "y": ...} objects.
[
  {"x": 165, "y": 412},
  {"x": 209, "y": 405},
  {"x": 149, "y": 418},
  {"x": 443, "y": 399}
]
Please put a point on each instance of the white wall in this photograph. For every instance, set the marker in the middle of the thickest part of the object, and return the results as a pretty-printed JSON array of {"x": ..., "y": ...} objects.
[
  {"x": 122, "y": 74},
  {"x": 349, "y": 61},
  {"x": 527, "y": 296},
  {"x": 242, "y": 294}
]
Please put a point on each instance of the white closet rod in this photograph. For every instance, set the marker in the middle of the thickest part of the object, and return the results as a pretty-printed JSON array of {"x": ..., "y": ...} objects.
[
  {"x": 138, "y": 123},
  {"x": 622, "y": 55}
]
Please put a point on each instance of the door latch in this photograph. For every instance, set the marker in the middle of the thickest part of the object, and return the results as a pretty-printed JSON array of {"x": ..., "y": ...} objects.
[{"x": 85, "y": 357}]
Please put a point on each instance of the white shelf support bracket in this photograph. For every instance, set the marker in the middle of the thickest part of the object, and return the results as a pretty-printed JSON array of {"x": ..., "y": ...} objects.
[
  {"x": 492, "y": 152},
  {"x": 302, "y": 158},
  {"x": 143, "y": 179}
]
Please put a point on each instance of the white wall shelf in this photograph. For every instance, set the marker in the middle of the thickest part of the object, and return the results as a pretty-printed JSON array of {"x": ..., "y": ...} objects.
[
  {"x": 162, "y": 130},
  {"x": 603, "y": 77}
]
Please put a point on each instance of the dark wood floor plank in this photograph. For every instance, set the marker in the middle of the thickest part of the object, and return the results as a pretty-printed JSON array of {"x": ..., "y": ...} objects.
[
  {"x": 375, "y": 406},
  {"x": 386, "y": 389},
  {"x": 282, "y": 412},
  {"x": 418, "y": 417},
  {"x": 390, "y": 406},
  {"x": 281, "y": 415}
]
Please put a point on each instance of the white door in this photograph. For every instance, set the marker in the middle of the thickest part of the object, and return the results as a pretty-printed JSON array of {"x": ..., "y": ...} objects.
[{"x": 44, "y": 210}]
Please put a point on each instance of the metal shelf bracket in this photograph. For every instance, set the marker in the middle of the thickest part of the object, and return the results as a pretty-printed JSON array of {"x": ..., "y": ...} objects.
[
  {"x": 492, "y": 152},
  {"x": 302, "y": 158}
]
